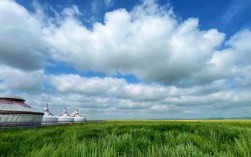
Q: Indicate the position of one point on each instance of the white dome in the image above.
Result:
(65, 117)
(48, 117)
(77, 116)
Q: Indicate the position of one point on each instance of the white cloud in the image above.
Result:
(108, 3)
(235, 8)
(21, 43)
(105, 98)
(117, 96)
(15, 79)
(108, 87)
(148, 42)
(232, 62)
(73, 11)
(223, 104)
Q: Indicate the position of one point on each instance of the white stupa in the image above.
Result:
(65, 117)
(78, 117)
(49, 118)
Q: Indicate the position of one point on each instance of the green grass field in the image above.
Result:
(230, 138)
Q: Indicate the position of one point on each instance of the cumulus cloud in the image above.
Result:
(15, 79)
(21, 43)
(118, 95)
(108, 87)
(233, 62)
(147, 41)
(223, 104)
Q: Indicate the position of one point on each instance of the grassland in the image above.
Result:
(230, 138)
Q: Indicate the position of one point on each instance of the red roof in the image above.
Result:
(4, 101)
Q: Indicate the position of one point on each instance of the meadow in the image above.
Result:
(228, 138)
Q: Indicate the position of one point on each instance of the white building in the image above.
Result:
(78, 117)
(48, 117)
(65, 117)
(15, 112)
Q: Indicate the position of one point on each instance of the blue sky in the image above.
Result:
(228, 16)
(129, 59)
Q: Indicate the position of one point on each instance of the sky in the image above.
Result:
(128, 59)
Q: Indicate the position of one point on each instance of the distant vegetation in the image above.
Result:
(131, 138)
